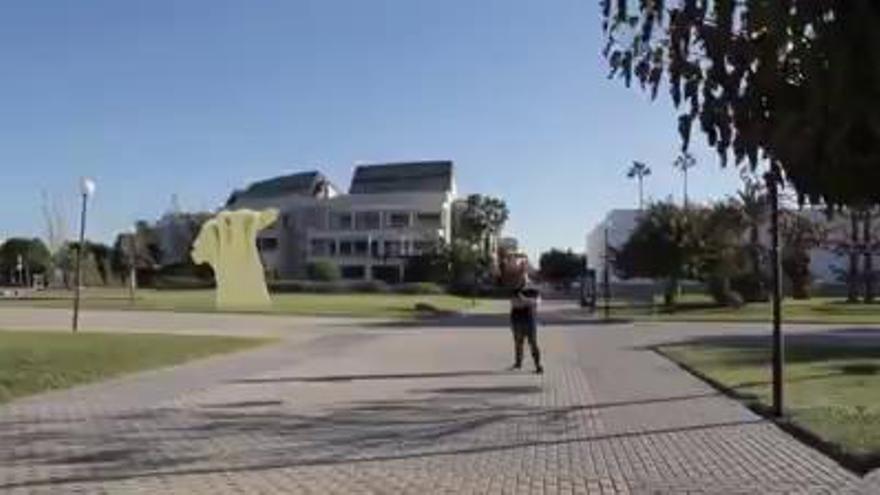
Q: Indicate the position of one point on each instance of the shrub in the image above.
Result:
(180, 282)
(369, 286)
(323, 271)
(418, 288)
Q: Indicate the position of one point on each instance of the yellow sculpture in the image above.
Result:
(228, 243)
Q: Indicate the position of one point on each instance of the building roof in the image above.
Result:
(302, 183)
(428, 176)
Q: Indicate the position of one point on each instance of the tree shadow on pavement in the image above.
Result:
(370, 377)
(247, 436)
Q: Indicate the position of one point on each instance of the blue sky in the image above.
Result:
(194, 98)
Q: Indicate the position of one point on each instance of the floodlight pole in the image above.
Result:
(773, 180)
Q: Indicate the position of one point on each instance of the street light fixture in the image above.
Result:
(86, 189)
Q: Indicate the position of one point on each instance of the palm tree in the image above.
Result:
(684, 162)
(639, 170)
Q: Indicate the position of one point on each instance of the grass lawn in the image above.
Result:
(32, 362)
(701, 308)
(832, 389)
(377, 305)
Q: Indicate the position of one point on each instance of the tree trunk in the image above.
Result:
(852, 280)
(869, 261)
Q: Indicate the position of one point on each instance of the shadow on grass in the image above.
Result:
(846, 350)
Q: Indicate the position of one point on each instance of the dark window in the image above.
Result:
(429, 220)
(367, 220)
(360, 248)
(387, 274)
(422, 247)
(322, 247)
(353, 272)
(340, 221)
(393, 248)
(374, 248)
(398, 220)
(345, 248)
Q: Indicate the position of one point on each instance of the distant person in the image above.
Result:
(523, 322)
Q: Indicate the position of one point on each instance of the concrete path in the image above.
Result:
(347, 407)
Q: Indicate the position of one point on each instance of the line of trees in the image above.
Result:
(719, 244)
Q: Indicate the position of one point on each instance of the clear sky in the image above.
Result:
(197, 97)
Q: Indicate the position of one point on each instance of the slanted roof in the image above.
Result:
(429, 176)
(302, 183)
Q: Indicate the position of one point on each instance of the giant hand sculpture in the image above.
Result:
(228, 243)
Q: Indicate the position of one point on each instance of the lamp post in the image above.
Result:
(773, 178)
(132, 269)
(606, 275)
(86, 188)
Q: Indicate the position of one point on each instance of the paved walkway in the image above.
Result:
(349, 408)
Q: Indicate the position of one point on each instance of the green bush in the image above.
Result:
(323, 271)
(335, 287)
(423, 288)
(369, 286)
(180, 282)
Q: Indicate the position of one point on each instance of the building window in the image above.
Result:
(393, 248)
(387, 274)
(360, 248)
(397, 220)
(345, 248)
(429, 220)
(340, 221)
(374, 249)
(367, 220)
(422, 247)
(322, 247)
(353, 272)
(267, 243)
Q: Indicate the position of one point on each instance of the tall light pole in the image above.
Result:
(639, 170)
(132, 262)
(86, 188)
(684, 162)
(774, 178)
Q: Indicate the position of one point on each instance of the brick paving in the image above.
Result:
(385, 409)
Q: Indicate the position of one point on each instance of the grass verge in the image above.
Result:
(33, 362)
(832, 390)
(302, 304)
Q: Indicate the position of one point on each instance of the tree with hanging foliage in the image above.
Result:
(790, 81)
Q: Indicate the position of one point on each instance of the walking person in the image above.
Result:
(523, 322)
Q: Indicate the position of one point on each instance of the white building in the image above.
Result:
(619, 225)
(391, 212)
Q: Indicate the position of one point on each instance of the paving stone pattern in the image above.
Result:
(421, 410)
